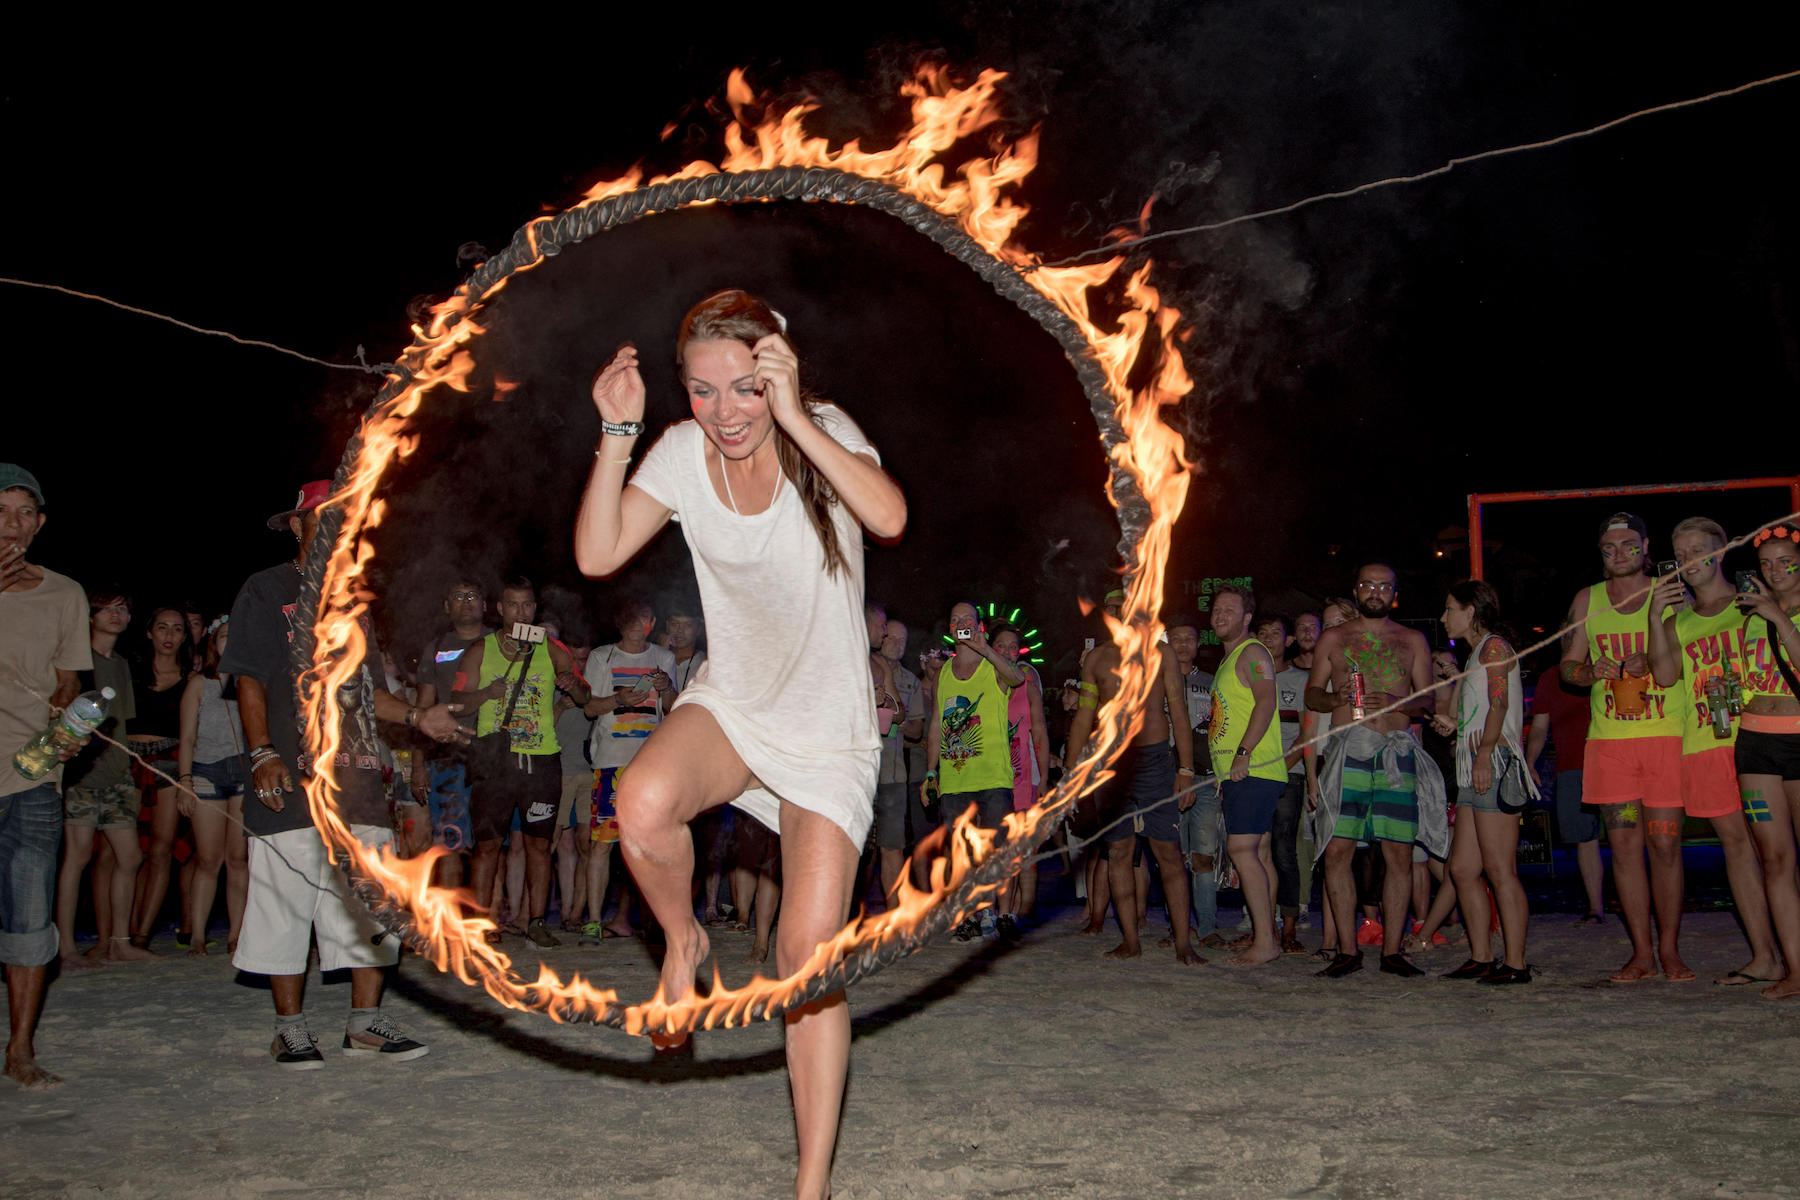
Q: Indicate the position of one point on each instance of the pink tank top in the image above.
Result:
(1024, 756)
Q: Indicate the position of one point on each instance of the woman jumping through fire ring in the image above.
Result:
(780, 721)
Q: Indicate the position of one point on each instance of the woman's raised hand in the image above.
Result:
(619, 388)
(778, 378)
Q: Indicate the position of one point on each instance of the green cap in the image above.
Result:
(12, 475)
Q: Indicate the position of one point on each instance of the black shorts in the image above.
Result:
(1768, 754)
(531, 787)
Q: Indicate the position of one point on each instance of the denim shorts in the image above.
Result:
(1507, 794)
(227, 777)
(31, 824)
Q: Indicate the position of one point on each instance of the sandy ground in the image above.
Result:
(1036, 1071)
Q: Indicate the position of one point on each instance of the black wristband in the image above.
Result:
(621, 428)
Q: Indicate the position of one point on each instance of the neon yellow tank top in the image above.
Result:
(533, 728)
(1615, 635)
(1762, 674)
(1232, 704)
(1708, 645)
(974, 752)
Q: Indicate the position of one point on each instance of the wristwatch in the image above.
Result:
(1242, 752)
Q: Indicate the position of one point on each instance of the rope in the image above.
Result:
(362, 363)
(1131, 243)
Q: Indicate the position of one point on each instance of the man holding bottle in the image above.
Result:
(43, 644)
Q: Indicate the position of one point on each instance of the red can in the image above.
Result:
(1358, 690)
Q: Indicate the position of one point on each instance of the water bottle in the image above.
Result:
(36, 757)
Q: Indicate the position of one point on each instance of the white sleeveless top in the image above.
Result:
(1472, 715)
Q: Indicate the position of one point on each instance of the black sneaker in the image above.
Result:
(296, 1049)
(540, 935)
(381, 1038)
(968, 931)
(1009, 928)
(1342, 965)
(1502, 974)
(1472, 969)
(1396, 964)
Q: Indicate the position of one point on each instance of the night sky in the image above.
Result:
(1619, 310)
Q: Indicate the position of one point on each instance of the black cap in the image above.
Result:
(1624, 520)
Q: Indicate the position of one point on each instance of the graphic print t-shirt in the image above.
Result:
(262, 630)
(618, 734)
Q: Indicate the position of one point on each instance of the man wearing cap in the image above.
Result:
(1631, 769)
(295, 892)
(43, 644)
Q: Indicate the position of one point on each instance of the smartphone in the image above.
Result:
(1746, 582)
(1088, 644)
(522, 632)
(1666, 568)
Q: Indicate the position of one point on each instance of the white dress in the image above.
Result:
(787, 668)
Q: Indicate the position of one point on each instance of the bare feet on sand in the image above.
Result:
(80, 962)
(1124, 950)
(1677, 971)
(121, 950)
(1187, 956)
(23, 1068)
(1255, 955)
(686, 950)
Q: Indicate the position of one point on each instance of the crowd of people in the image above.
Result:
(1332, 746)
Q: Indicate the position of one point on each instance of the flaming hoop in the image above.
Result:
(969, 218)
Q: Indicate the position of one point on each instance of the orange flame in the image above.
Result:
(1135, 323)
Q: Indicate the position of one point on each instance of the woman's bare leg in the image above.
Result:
(209, 855)
(119, 847)
(153, 880)
(686, 767)
(818, 867)
(1498, 833)
(1775, 840)
(762, 919)
(1465, 872)
(78, 848)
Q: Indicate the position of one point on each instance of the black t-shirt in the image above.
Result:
(438, 665)
(262, 632)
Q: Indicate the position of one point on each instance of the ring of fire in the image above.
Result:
(971, 219)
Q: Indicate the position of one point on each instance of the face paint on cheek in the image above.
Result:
(695, 405)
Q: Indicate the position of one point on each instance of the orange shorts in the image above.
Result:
(1643, 770)
(1709, 783)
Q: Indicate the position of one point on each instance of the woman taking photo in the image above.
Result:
(213, 768)
(1493, 786)
(774, 491)
(1768, 745)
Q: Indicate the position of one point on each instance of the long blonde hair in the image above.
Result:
(738, 316)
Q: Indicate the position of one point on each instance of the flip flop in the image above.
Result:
(1687, 976)
(1643, 975)
(1739, 979)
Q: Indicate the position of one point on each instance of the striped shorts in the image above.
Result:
(1369, 811)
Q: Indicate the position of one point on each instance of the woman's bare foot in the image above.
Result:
(1787, 988)
(80, 962)
(198, 951)
(30, 1076)
(1255, 955)
(1124, 950)
(759, 953)
(685, 950)
(1187, 956)
(125, 950)
(1677, 971)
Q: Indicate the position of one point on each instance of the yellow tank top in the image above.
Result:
(974, 752)
(533, 726)
(1708, 646)
(1762, 674)
(1232, 704)
(1625, 708)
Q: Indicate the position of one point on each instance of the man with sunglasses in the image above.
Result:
(1377, 788)
(438, 775)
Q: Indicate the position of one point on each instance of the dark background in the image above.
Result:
(1618, 310)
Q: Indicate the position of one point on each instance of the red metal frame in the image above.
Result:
(1478, 499)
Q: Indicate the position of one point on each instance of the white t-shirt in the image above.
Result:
(787, 668)
(617, 735)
